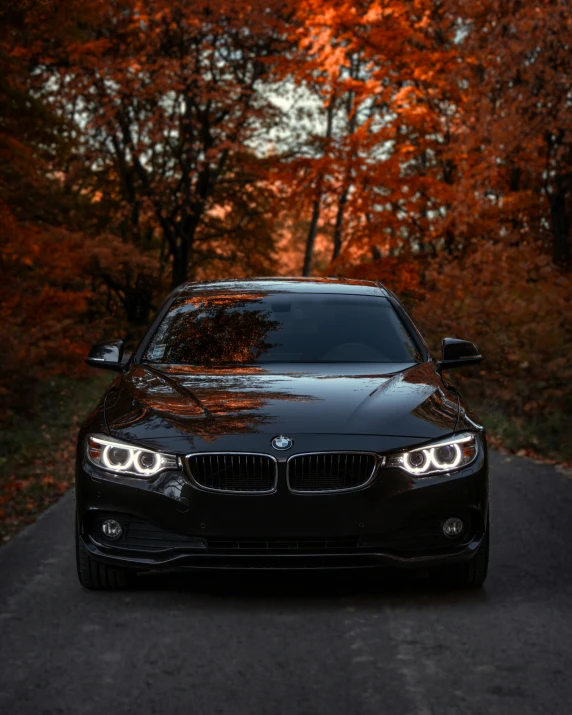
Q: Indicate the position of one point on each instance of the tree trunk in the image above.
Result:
(137, 305)
(312, 234)
(185, 231)
(352, 122)
(313, 229)
(560, 229)
(180, 272)
(339, 225)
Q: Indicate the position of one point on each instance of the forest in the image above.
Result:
(423, 143)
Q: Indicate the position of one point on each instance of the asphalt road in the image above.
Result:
(300, 645)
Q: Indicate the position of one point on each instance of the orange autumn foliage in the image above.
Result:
(43, 303)
(430, 148)
(401, 274)
(517, 306)
(170, 111)
(455, 126)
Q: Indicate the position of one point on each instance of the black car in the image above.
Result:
(281, 424)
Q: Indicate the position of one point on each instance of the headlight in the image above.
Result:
(437, 458)
(122, 458)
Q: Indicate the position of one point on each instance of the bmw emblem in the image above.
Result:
(282, 442)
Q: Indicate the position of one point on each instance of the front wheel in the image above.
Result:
(96, 576)
(469, 574)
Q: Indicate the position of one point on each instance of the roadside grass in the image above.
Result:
(37, 452)
(541, 437)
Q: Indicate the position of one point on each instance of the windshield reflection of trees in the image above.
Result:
(233, 406)
(214, 330)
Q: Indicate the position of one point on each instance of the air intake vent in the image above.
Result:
(330, 471)
(233, 472)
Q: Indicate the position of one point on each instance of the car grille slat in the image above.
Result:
(332, 471)
(233, 472)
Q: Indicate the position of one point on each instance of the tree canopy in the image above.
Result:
(147, 143)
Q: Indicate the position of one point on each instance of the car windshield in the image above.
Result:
(282, 327)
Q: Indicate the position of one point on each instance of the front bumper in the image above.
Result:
(170, 524)
(360, 558)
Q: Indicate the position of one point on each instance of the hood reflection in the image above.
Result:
(189, 401)
(228, 401)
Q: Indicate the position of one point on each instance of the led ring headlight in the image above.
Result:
(458, 455)
(112, 460)
(437, 458)
(416, 462)
(122, 458)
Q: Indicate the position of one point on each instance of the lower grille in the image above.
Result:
(283, 545)
(331, 471)
(421, 535)
(147, 537)
(141, 535)
(233, 472)
(417, 537)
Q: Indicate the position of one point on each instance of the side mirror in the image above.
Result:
(458, 353)
(108, 356)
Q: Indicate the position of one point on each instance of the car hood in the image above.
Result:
(150, 404)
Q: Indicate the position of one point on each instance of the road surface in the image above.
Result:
(300, 645)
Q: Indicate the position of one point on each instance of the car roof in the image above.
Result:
(344, 286)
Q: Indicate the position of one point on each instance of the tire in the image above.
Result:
(96, 576)
(469, 574)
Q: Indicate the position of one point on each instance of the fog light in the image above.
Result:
(112, 529)
(453, 526)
